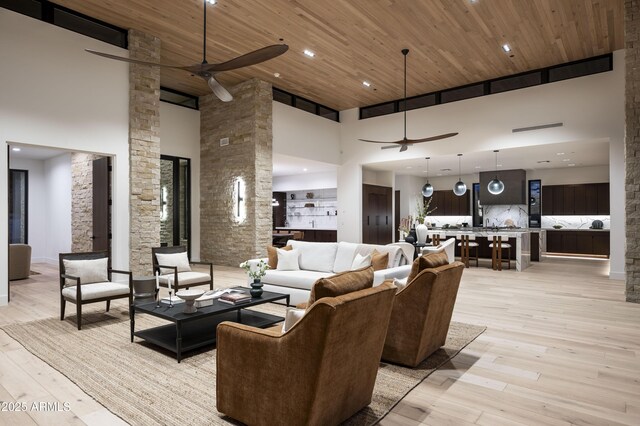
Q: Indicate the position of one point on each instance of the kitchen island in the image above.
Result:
(527, 243)
(316, 235)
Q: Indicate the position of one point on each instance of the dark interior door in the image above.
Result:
(396, 216)
(101, 209)
(377, 213)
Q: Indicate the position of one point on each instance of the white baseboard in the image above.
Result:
(46, 260)
(617, 275)
(4, 300)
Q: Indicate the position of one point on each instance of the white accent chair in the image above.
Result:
(446, 246)
(180, 277)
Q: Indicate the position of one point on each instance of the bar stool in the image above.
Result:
(436, 237)
(496, 251)
(467, 241)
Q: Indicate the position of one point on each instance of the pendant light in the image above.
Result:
(496, 186)
(427, 188)
(460, 187)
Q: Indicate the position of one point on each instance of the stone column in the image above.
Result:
(144, 151)
(247, 122)
(632, 148)
(82, 201)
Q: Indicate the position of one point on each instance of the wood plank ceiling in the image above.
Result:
(452, 42)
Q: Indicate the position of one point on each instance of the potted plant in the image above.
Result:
(256, 273)
(422, 211)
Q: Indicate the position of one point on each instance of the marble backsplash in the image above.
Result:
(574, 222)
(499, 215)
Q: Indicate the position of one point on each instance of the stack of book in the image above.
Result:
(235, 298)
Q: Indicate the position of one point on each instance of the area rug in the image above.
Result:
(145, 386)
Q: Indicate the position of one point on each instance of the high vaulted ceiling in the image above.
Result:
(452, 42)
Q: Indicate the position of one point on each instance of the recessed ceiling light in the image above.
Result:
(366, 84)
(409, 167)
(506, 48)
(212, 1)
(566, 159)
(571, 164)
(478, 167)
(309, 53)
(499, 165)
(559, 153)
(16, 149)
(276, 74)
(304, 170)
(473, 1)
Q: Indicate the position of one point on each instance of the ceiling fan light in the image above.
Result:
(459, 188)
(427, 190)
(495, 186)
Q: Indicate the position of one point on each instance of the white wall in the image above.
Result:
(300, 134)
(58, 184)
(180, 137)
(45, 101)
(305, 181)
(37, 205)
(591, 108)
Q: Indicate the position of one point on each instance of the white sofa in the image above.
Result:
(447, 246)
(318, 260)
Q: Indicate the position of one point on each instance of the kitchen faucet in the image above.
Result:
(313, 223)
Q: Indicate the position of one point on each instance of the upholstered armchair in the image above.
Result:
(87, 278)
(19, 261)
(421, 314)
(320, 372)
(174, 267)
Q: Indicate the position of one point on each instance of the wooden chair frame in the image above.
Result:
(79, 302)
(496, 254)
(464, 250)
(176, 284)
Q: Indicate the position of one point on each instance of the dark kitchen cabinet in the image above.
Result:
(581, 199)
(578, 242)
(279, 211)
(449, 204)
(377, 223)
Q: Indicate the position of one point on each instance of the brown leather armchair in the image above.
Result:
(422, 314)
(320, 372)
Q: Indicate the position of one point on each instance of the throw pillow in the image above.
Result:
(400, 283)
(89, 271)
(179, 260)
(288, 260)
(291, 318)
(361, 262)
(431, 260)
(343, 283)
(272, 255)
(379, 261)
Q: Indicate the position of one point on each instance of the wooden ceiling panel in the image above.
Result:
(452, 42)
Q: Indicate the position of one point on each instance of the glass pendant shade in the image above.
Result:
(459, 188)
(427, 190)
(495, 186)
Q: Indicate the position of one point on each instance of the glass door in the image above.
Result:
(18, 206)
(175, 202)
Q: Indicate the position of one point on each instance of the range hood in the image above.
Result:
(515, 188)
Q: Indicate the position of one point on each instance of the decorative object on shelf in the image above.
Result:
(422, 211)
(189, 297)
(293, 196)
(403, 229)
(256, 275)
(274, 202)
(427, 188)
(411, 238)
(405, 143)
(557, 226)
(207, 71)
(597, 224)
(460, 187)
(496, 186)
(310, 195)
(309, 205)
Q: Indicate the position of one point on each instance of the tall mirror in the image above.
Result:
(175, 202)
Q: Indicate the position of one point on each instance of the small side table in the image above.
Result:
(144, 289)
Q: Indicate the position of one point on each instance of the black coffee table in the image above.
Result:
(192, 331)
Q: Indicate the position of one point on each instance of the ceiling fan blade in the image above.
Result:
(133, 61)
(389, 147)
(433, 138)
(367, 140)
(251, 58)
(404, 147)
(222, 93)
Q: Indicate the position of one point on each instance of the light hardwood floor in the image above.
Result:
(561, 347)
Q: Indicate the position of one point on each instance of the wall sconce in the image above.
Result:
(239, 209)
(163, 203)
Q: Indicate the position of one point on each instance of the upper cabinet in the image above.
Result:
(582, 199)
(449, 204)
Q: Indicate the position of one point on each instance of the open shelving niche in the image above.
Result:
(324, 201)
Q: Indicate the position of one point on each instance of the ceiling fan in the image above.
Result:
(206, 70)
(405, 143)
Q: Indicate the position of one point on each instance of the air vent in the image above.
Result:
(224, 141)
(543, 161)
(542, 126)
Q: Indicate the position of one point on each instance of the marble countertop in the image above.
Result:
(299, 228)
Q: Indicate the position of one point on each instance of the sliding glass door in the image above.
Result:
(18, 206)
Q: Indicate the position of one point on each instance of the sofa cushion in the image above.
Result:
(292, 316)
(379, 260)
(272, 255)
(179, 260)
(288, 260)
(395, 252)
(361, 262)
(89, 271)
(299, 279)
(184, 278)
(345, 254)
(343, 283)
(432, 260)
(96, 290)
(316, 256)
